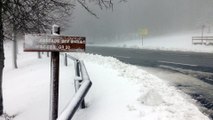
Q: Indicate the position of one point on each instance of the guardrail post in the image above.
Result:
(77, 68)
(77, 75)
(78, 80)
(83, 105)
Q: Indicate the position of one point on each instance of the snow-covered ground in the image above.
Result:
(119, 92)
(173, 42)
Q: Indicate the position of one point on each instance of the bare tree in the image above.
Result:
(1, 56)
(108, 4)
(27, 16)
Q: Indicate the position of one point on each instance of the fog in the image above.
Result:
(159, 17)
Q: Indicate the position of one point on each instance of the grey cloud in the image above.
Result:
(158, 16)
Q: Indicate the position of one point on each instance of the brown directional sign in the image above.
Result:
(48, 43)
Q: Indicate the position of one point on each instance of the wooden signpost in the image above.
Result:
(54, 43)
(50, 43)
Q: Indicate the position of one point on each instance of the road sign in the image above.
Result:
(143, 32)
(48, 43)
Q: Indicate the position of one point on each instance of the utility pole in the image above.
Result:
(142, 39)
(203, 26)
(143, 32)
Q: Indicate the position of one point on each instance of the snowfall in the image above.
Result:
(119, 92)
(172, 42)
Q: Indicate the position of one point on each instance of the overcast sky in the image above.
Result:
(160, 17)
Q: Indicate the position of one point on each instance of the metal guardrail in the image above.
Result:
(82, 86)
(206, 40)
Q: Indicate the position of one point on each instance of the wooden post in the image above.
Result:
(39, 55)
(65, 59)
(54, 85)
(54, 82)
(47, 54)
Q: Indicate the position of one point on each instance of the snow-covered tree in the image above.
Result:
(35, 16)
(27, 16)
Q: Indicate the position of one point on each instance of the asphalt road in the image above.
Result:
(190, 64)
(198, 64)
(153, 58)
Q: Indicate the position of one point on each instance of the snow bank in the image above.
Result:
(139, 94)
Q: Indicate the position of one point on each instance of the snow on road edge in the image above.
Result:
(156, 99)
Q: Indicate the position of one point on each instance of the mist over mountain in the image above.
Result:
(159, 17)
